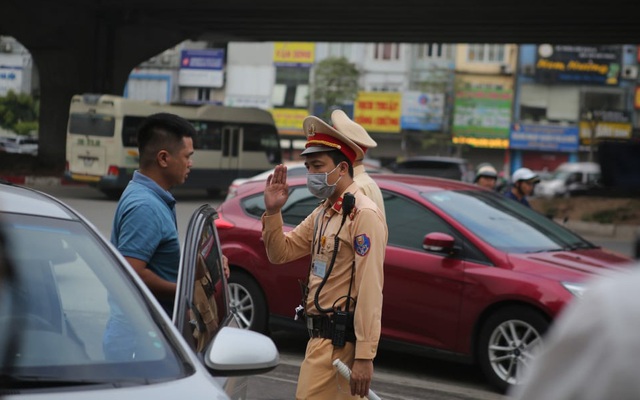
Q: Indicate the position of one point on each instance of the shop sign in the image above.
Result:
(422, 111)
(544, 137)
(595, 65)
(378, 111)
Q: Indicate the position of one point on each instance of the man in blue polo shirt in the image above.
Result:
(144, 227)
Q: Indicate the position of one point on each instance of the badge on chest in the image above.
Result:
(319, 267)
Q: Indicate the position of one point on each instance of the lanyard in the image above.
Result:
(318, 234)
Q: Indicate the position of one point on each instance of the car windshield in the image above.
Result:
(505, 224)
(561, 175)
(68, 286)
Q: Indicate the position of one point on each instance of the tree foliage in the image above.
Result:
(19, 113)
(335, 82)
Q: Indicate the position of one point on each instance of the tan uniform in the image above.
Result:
(362, 240)
(369, 187)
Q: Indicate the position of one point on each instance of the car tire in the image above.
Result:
(248, 302)
(507, 343)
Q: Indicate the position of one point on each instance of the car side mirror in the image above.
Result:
(236, 351)
(438, 242)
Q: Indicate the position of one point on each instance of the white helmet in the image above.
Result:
(524, 174)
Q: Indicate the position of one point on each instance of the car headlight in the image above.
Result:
(576, 289)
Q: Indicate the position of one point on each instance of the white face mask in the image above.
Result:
(319, 186)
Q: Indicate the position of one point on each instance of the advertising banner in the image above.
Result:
(482, 117)
(202, 68)
(422, 111)
(294, 54)
(289, 120)
(593, 65)
(544, 137)
(378, 111)
(10, 79)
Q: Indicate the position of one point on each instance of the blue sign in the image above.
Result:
(544, 137)
(211, 59)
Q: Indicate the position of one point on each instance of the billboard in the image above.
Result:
(544, 137)
(482, 116)
(593, 65)
(422, 111)
(202, 68)
(378, 111)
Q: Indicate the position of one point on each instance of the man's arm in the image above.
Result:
(161, 288)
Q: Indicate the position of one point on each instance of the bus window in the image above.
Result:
(230, 140)
(130, 131)
(208, 136)
(92, 124)
(263, 138)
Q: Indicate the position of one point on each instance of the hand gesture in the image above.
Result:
(276, 192)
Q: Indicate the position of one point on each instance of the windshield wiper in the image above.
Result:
(545, 250)
(579, 245)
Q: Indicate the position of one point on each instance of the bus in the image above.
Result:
(231, 142)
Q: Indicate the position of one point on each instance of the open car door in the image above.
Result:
(202, 305)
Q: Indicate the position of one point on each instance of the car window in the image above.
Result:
(203, 305)
(409, 222)
(299, 205)
(78, 310)
(504, 223)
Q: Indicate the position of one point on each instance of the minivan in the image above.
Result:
(570, 179)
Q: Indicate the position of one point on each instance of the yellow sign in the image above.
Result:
(491, 143)
(378, 111)
(609, 130)
(293, 52)
(289, 118)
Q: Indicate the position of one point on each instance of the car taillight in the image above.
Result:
(113, 171)
(222, 223)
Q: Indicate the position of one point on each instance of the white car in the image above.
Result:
(19, 145)
(570, 179)
(67, 280)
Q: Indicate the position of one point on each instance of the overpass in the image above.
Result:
(91, 45)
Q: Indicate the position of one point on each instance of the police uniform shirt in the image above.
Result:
(368, 186)
(362, 239)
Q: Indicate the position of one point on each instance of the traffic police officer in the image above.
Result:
(346, 237)
(357, 134)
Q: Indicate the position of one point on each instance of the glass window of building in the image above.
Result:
(486, 53)
(291, 89)
(435, 51)
(386, 51)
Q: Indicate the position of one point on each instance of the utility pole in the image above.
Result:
(593, 126)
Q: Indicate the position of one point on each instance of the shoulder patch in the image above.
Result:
(362, 244)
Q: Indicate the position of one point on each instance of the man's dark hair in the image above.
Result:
(162, 131)
(338, 157)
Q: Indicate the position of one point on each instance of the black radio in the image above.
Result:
(341, 321)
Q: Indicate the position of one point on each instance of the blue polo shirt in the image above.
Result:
(509, 194)
(145, 228)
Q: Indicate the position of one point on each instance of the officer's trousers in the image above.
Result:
(319, 379)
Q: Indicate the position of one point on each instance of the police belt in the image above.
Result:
(321, 326)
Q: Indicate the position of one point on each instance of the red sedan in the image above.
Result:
(469, 275)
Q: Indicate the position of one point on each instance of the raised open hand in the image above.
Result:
(276, 191)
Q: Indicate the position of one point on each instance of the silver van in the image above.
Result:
(570, 179)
